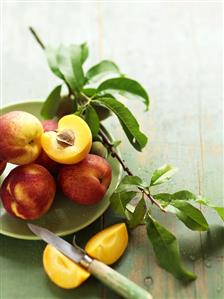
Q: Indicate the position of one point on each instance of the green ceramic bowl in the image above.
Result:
(64, 217)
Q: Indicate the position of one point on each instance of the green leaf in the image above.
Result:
(162, 174)
(220, 211)
(190, 216)
(92, 119)
(89, 92)
(131, 180)
(84, 52)
(139, 213)
(54, 59)
(70, 61)
(126, 86)
(184, 195)
(51, 54)
(166, 249)
(163, 198)
(204, 201)
(102, 68)
(120, 200)
(127, 120)
(128, 182)
(50, 106)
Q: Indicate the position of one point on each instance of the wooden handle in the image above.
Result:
(117, 282)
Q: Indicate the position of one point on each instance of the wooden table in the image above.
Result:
(174, 49)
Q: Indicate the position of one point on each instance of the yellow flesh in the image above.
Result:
(61, 270)
(109, 244)
(70, 154)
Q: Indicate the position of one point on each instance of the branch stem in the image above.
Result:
(114, 154)
(105, 139)
(37, 38)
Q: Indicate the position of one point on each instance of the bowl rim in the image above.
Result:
(69, 231)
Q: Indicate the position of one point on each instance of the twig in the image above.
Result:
(106, 140)
(114, 154)
(37, 37)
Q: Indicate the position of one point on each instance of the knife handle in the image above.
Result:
(119, 283)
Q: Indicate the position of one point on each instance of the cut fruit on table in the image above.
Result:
(107, 246)
(61, 270)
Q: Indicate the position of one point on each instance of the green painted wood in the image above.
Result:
(174, 49)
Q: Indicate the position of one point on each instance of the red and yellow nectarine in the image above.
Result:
(2, 166)
(49, 125)
(28, 191)
(43, 159)
(86, 183)
(20, 137)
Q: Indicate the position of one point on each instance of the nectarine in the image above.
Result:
(49, 125)
(61, 270)
(109, 244)
(28, 191)
(20, 137)
(71, 143)
(2, 166)
(43, 159)
(86, 182)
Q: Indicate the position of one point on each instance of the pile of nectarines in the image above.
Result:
(49, 153)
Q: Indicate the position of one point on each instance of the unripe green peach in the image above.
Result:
(99, 149)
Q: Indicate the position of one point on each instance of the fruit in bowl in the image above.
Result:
(43, 159)
(71, 143)
(86, 183)
(49, 125)
(20, 137)
(99, 149)
(2, 166)
(28, 191)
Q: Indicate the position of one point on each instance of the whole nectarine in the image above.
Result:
(2, 166)
(50, 125)
(43, 159)
(28, 191)
(86, 182)
(20, 134)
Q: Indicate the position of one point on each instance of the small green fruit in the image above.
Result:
(99, 149)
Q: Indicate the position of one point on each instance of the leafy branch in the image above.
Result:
(94, 95)
(127, 170)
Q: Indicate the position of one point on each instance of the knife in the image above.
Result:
(114, 280)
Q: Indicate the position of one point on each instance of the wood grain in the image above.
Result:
(174, 49)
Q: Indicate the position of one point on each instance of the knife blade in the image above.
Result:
(114, 280)
(60, 244)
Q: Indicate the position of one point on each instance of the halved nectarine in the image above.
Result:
(61, 270)
(71, 143)
(109, 244)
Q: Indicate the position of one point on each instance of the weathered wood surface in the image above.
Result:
(174, 49)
